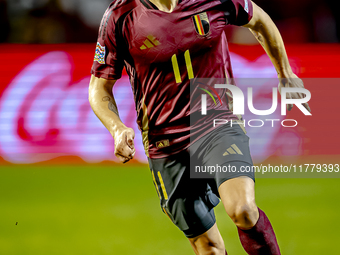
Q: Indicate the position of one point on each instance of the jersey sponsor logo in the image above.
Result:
(162, 144)
(201, 22)
(233, 149)
(150, 42)
(246, 8)
(100, 54)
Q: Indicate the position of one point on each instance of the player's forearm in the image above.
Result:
(269, 37)
(103, 104)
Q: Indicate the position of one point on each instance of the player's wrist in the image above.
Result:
(117, 129)
(285, 73)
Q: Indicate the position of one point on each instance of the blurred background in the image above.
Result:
(61, 188)
(72, 21)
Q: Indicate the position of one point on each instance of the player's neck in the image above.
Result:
(165, 5)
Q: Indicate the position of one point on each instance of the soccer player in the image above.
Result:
(165, 44)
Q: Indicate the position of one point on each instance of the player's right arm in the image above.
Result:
(106, 69)
(104, 106)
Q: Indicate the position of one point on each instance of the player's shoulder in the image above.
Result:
(117, 4)
(116, 11)
(120, 7)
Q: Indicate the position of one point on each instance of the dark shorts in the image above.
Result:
(187, 191)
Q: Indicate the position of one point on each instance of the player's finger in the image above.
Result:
(307, 107)
(129, 139)
(280, 86)
(125, 151)
(289, 106)
(122, 158)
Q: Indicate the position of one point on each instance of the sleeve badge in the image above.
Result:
(100, 54)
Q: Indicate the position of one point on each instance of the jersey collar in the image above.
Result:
(150, 5)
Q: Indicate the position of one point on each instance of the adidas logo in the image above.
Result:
(162, 144)
(233, 149)
(150, 42)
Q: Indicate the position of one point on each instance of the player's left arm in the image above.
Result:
(266, 32)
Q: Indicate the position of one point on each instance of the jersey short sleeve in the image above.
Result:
(237, 12)
(108, 61)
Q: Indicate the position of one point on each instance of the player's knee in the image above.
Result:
(212, 249)
(209, 243)
(244, 215)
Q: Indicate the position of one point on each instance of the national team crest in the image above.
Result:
(100, 54)
(201, 23)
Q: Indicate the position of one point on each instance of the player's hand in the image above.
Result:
(124, 145)
(292, 82)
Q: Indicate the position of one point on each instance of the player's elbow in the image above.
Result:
(94, 92)
(94, 88)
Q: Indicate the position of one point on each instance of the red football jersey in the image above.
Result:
(162, 52)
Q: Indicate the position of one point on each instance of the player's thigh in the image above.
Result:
(210, 242)
(229, 150)
(227, 153)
